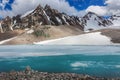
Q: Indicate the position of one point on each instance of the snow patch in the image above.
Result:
(63, 17)
(58, 20)
(4, 41)
(1, 30)
(95, 38)
(48, 18)
(26, 29)
(30, 31)
(41, 23)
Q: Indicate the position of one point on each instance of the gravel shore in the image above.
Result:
(29, 74)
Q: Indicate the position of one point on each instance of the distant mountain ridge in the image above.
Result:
(48, 16)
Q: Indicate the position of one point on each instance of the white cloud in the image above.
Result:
(22, 6)
(112, 7)
(100, 10)
(113, 4)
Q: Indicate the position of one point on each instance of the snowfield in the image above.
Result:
(116, 24)
(95, 38)
(93, 24)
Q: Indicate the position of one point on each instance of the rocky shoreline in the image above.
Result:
(29, 74)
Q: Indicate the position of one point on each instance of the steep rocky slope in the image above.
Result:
(49, 16)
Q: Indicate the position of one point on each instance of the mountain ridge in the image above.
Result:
(49, 16)
(46, 23)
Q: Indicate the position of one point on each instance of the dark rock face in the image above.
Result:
(17, 22)
(49, 16)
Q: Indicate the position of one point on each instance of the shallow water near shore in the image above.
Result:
(101, 61)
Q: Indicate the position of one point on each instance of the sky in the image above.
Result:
(71, 7)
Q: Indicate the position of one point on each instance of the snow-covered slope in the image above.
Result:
(92, 21)
(86, 39)
(115, 20)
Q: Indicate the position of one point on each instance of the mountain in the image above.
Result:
(41, 24)
(92, 21)
(46, 23)
(49, 16)
(115, 19)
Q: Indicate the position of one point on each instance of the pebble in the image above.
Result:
(29, 74)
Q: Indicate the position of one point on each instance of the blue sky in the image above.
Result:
(78, 4)
(84, 4)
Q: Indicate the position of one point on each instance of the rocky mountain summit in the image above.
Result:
(37, 17)
(48, 16)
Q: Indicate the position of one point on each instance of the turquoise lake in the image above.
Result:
(101, 61)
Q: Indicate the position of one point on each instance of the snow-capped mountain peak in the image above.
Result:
(92, 21)
(115, 20)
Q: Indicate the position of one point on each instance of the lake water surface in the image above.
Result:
(101, 61)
